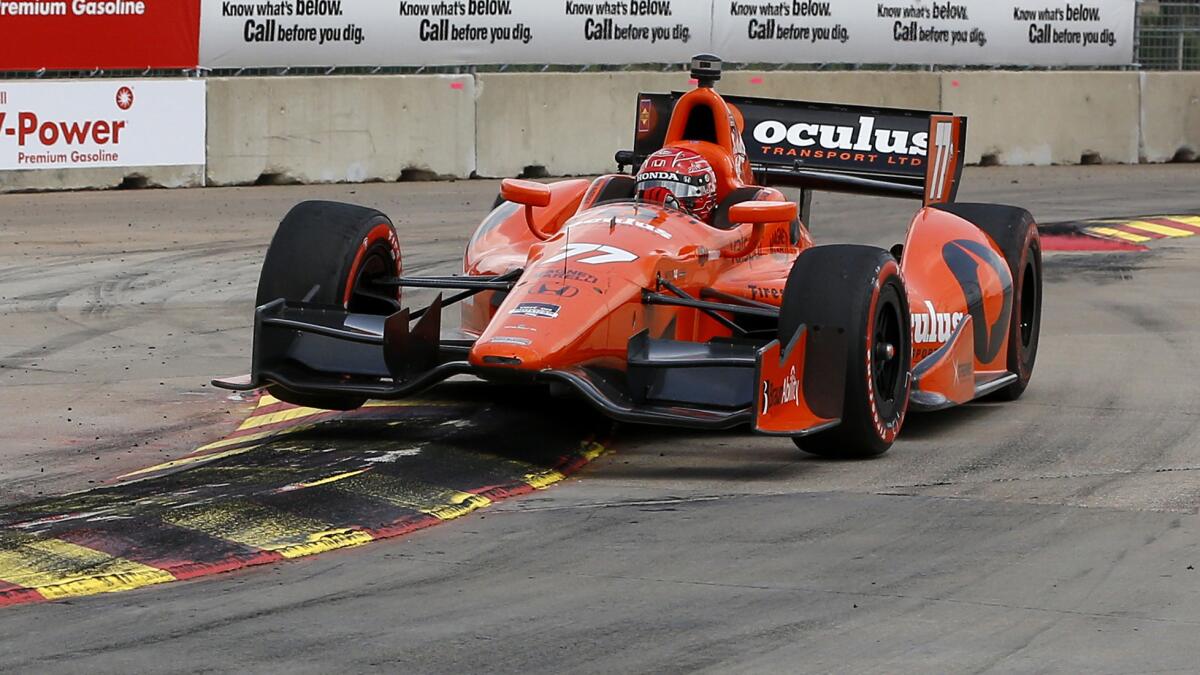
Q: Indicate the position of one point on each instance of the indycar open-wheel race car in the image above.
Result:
(655, 316)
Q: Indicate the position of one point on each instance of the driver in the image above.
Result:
(681, 179)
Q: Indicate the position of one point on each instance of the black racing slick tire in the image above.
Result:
(859, 289)
(1014, 231)
(326, 255)
(1026, 326)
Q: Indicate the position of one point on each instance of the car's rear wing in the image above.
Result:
(822, 146)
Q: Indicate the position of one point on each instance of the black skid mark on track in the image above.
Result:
(1096, 268)
(335, 480)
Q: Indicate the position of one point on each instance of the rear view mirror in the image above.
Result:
(763, 212)
(525, 192)
(759, 213)
(531, 195)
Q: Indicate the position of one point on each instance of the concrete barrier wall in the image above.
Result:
(1170, 116)
(569, 123)
(93, 179)
(572, 123)
(887, 89)
(339, 129)
(1046, 117)
(344, 128)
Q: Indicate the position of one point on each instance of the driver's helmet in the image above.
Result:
(679, 178)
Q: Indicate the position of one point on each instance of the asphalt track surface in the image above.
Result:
(1057, 533)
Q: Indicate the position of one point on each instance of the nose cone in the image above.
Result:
(544, 322)
(575, 290)
(506, 351)
(554, 318)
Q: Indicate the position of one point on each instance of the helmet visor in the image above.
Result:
(680, 190)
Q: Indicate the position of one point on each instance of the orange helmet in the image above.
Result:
(679, 178)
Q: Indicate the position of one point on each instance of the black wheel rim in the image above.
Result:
(1029, 307)
(887, 359)
(366, 295)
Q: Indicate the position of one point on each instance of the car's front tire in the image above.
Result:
(327, 255)
(859, 289)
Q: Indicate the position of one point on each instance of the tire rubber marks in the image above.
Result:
(68, 553)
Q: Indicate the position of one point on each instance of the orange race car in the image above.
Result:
(688, 293)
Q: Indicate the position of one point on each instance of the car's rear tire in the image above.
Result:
(1026, 324)
(325, 255)
(1015, 232)
(858, 288)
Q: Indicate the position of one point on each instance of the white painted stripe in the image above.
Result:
(945, 180)
(939, 164)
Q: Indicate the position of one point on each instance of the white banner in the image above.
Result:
(954, 32)
(101, 123)
(245, 33)
(254, 33)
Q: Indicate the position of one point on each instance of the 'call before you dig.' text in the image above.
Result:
(768, 21)
(264, 33)
(935, 23)
(436, 24)
(1046, 25)
(606, 20)
(273, 21)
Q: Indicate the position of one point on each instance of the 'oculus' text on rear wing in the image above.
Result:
(822, 146)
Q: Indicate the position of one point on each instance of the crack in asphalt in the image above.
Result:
(517, 508)
(1187, 412)
(1017, 479)
(830, 591)
(891, 596)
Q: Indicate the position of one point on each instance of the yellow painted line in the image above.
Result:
(330, 479)
(196, 457)
(440, 502)
(289, 414)
(327, 540)
(257, 526)
(1186, 220)
(59, 569)
(255, 421)
(542, 479)
(1164, 230)
(592, 450)
(269, 400)
(415, 403)
(235, 440)
(186, 461)
(1118, 234)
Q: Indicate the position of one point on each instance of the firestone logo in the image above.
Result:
(861, 138)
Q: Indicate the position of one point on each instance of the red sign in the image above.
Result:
(105, 34)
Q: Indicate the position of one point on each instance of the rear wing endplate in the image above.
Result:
(821, 146)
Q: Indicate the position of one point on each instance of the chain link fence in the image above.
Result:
(1166, 37)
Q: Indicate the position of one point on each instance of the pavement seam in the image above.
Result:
(891, 596)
